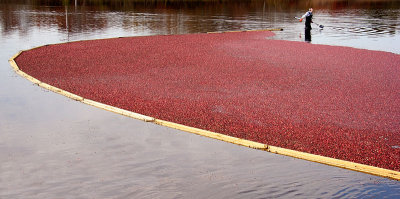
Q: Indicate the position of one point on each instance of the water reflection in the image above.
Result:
(177, 17)
(307, 33)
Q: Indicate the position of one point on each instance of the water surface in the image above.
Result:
(54, 147)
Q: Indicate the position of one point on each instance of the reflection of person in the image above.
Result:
(308, 28)
(307, 35)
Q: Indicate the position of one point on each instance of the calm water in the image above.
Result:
(54, 147)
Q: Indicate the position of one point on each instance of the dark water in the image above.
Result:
(54, 147)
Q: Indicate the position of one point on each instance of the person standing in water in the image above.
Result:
(308, 16)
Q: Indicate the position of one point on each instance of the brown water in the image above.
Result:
(54, 147)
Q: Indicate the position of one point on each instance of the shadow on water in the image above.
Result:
(54, 147)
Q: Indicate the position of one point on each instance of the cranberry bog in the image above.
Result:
(334, 105)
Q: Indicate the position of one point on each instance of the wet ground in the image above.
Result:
(52, 146)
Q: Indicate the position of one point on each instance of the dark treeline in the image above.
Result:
(285, 4)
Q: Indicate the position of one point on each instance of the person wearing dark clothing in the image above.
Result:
(308, 16)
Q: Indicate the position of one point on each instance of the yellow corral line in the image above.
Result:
(77, 97)
(273, 149)
(118, 110)
(273, 29)
(210, 134)
(287, 152)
